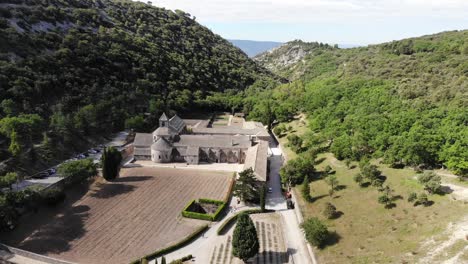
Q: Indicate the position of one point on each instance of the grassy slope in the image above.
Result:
(368, 232)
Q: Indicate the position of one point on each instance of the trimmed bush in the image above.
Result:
(175, 246)
(201, 216)
(182, 260)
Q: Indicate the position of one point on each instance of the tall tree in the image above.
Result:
(305, 190)
(111, 159)
(262, 191)
(245, 187)
(295, 170)
(245, 242)
(332, 181)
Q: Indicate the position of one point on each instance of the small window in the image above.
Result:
(159, 156)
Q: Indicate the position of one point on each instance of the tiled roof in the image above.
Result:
(176, 124)
(143, 140)
(161, 145)
(162, 131)
(142, 152)
(219, 141)
(163, 117)
(257, 159)
(227, 130)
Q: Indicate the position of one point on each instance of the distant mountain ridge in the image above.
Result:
(252, 47)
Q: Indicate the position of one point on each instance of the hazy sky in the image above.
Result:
(331, 21)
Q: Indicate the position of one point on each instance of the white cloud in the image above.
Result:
(295, 11)
(332, 21)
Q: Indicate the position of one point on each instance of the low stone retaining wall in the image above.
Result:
(31, 255)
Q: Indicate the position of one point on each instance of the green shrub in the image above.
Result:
(305, 190)
(53, 196)
(412, 197)
(329, 211)
(182, 260)
(315, 231)
(210, 201)
(77, 171)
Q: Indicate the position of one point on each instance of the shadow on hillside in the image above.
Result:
(318, 161)
(337, 215)
(109, 190)
(132, 179)
(341, 187)
(56, 235)
(316, 198)
(332, 239)
(445, 190)
(51, 229)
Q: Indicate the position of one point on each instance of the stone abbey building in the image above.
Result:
(192, 141)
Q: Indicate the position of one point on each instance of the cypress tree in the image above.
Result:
(305, 190)
(245, 243)
(111, 159)
(262, 197)
(163, 260)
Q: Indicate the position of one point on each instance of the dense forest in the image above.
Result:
(71, 70)
(404, 101)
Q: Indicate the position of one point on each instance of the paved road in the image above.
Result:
(300, 252)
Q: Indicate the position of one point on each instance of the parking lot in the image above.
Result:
(49, 176)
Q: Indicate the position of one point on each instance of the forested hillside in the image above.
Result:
(74, 69)
(404, 101)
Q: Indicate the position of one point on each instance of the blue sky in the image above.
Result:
(331, 21)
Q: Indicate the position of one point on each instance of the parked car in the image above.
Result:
(92, 151)
(270, 190)
(290, 204)
(51, 171)
(40, 175)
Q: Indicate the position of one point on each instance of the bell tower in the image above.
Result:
(163, 120)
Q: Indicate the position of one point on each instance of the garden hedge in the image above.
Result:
(173, 247)
(233, 218)
(207, 217)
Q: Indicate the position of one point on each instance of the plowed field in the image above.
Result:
(119, 221)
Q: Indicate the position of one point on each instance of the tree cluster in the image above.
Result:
(402, 101)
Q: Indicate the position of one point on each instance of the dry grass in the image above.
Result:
(369, 232)
(221, 119)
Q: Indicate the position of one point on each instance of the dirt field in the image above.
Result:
(120, 221)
